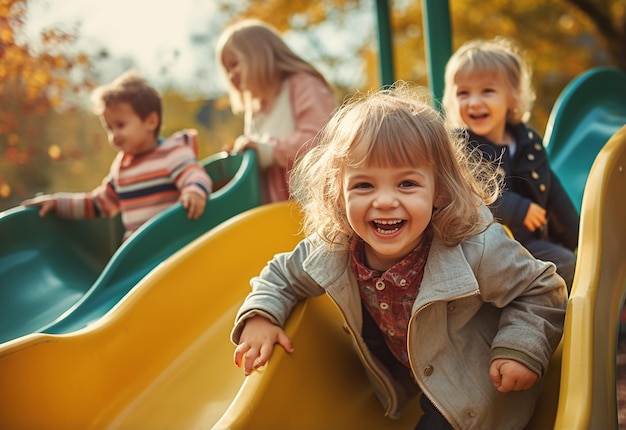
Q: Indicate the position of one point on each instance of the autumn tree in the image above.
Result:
(562, 38)
(35, 79)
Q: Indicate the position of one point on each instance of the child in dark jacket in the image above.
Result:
(488, 93)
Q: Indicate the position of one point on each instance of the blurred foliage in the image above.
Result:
(562, 38)
(50, 141)
(33, 82)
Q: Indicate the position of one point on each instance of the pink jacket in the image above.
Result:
(312, 105)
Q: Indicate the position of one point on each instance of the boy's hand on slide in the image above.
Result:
(46, 204)
(194, 204)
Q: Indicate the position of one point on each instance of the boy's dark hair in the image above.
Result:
(133, 89)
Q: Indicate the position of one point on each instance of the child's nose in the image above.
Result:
(474, 99)
(385, 201)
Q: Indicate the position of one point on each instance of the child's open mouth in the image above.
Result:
(479, 116)
(387, 226)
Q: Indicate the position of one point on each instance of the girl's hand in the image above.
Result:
(194, 204)
(257, 342)
(46, 204)
(535, 217)
(510, 375)
(242, 143)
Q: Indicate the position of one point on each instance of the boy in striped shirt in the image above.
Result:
(149, 173)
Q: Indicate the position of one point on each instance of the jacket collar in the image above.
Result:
(447, 273)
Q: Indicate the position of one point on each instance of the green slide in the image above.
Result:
(588, 112)
(60, 275)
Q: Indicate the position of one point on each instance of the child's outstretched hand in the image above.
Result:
(46, 204)
(257, 343)
(510, 375)
(194, 204)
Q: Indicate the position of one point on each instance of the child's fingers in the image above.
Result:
(240, 352)
(494, 374)
(285, 342)
(250, 359)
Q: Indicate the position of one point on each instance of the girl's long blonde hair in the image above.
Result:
(499, 57)
(265, 58)
(391, 127)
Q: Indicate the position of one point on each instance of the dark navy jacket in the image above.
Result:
(529, 178)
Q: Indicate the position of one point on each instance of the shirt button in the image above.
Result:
(471, 414)
(542, 187)
(451, 308)
(428, 370)
(538, 147)
(402, 282)
(380, 285)
(384, 306)
(534, 175)
(531, 157)
(391, 332)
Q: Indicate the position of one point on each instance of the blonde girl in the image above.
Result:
(284, 99)
(488, 93)
(437, 298)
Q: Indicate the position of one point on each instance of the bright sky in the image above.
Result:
(153, 33)
(148, 31)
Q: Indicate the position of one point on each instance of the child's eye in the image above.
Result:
(362, 185)
(408, 184)
(461, 93)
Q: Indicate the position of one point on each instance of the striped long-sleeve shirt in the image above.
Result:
(142, 185)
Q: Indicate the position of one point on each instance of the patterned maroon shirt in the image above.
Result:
(389, 295)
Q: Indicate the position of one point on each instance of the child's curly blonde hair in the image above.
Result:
(499, 57)
(391, 127)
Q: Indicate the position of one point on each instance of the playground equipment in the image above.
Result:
(586, 114)
(59, 275)
(588, 398)
(162, 357)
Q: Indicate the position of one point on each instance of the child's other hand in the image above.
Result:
(257, 342)
(46, 204)
(242, 143)
(535, 217)
(194, 204)
(510, 375)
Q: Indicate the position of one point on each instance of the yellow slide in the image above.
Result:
(162, 357)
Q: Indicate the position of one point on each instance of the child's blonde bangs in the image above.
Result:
(391, 138)
(481, 64)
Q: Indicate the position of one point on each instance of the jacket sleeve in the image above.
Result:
(563, 219)
(510, 209)
(279, 287)
(185, 170)
(102, 201)
(312, 104)
(531, 296)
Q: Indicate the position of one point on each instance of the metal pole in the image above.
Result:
(438, 43)
(385, 47)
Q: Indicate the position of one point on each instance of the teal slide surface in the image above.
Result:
(58, 276)
(590, 110)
